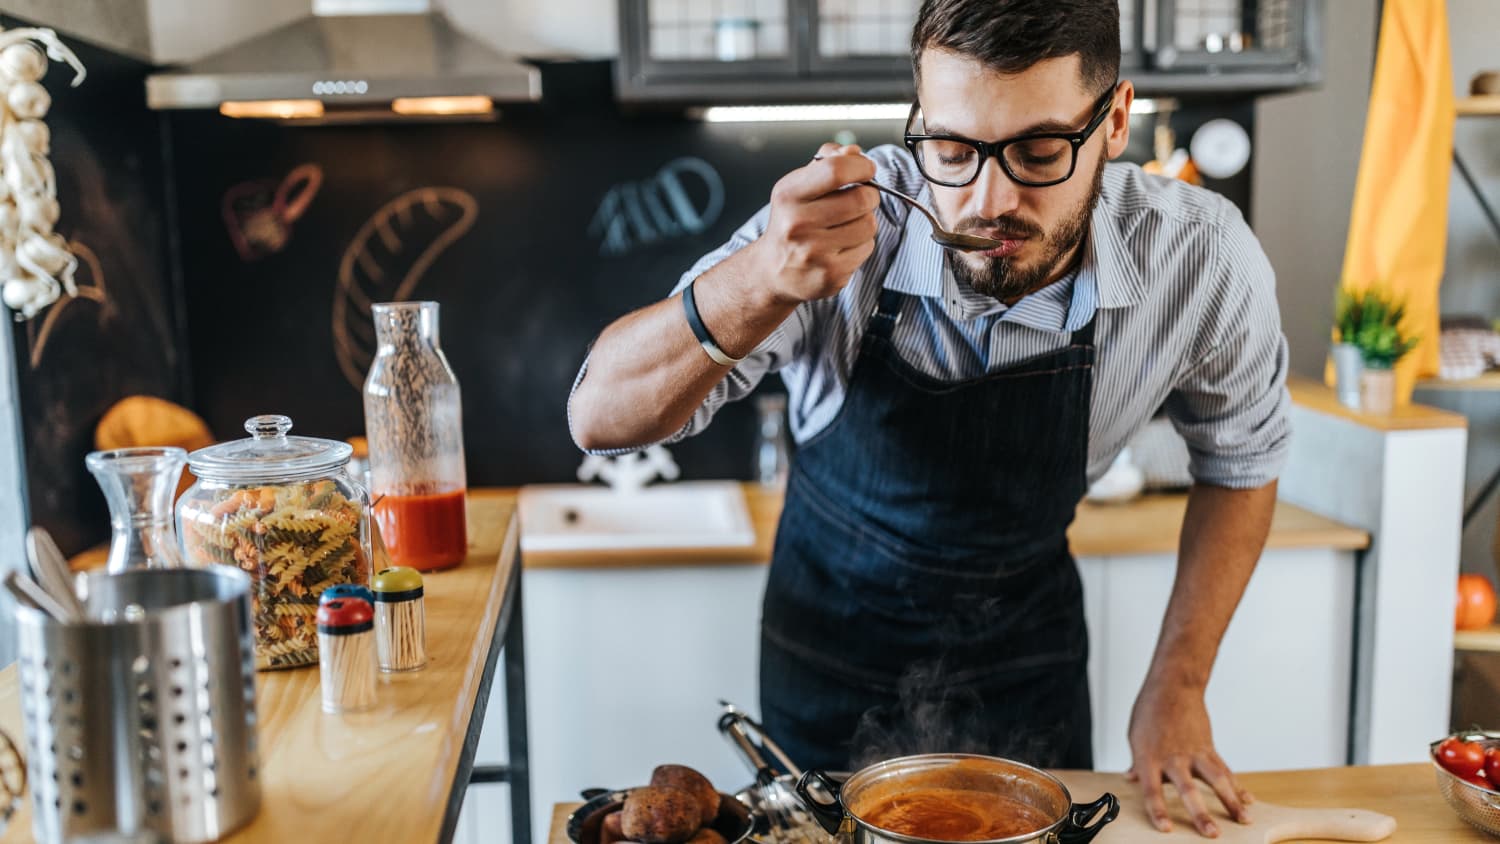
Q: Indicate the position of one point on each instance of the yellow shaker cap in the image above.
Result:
(397, 583)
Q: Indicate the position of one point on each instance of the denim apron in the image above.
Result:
(921, 596)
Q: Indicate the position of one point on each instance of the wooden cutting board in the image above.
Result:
(1271, 823)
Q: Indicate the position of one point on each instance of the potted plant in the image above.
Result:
(1371, 321)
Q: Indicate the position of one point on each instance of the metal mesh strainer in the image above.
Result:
(1479, 806)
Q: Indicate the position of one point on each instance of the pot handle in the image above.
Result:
(1076, 829)
(829, 815)
(591, 793)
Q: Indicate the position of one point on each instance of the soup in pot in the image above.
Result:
(951, 814)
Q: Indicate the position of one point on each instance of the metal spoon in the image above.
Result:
(944, 238)
(52, 571)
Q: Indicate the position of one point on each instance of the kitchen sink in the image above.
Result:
(580, 517)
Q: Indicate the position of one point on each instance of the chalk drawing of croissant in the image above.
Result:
(89, 284)
(386, 262)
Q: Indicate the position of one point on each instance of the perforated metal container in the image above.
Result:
(1477, 805)
(142, 720)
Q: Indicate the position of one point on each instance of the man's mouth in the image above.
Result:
(1009, 244)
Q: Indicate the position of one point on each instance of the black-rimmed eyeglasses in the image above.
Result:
(1036, 161)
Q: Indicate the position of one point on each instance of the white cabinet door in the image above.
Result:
(1280, 692)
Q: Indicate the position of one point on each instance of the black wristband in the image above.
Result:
(700, 331)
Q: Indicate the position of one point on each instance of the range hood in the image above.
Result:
(351, 59)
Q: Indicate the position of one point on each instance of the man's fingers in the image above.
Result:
(1217, 775)
(1192, 800)
(841, 207)
(1156, 803)
(828, 174)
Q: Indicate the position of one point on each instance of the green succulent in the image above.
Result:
(1371, 320)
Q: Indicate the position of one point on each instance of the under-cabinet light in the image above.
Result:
(789, 113)
(273, 109)
(442, 106)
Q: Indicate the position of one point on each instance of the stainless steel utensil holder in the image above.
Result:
(142, 720)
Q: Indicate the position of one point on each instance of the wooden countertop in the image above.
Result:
(1406, 792)
(396, 773)
(1317, 396)
(1147, 525)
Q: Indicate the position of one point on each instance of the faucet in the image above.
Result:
(630, 472)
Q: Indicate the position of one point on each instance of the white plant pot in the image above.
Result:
(1377, 391)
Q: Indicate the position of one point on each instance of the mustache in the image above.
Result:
(999, 228)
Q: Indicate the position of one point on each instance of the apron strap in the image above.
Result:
(887, 314)
(1085, 335)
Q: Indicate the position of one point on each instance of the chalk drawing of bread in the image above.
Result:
(386, 262)
(90, 284)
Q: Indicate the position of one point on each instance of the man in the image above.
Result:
(950, 408)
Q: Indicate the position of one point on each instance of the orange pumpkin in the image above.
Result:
(1476, 602)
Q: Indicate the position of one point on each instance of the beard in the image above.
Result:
(1003, 278)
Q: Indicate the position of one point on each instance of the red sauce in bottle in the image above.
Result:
(425, 532)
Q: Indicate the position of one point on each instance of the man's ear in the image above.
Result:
(1118, 122)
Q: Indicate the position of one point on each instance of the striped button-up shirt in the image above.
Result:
(1184, 298)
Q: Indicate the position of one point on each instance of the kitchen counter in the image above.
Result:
(1406, 792)
(400, 772)
(1148, 525)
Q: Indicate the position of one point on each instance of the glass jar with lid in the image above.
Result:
(284, 510)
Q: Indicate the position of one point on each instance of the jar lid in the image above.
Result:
(346, 590)
(269, 454)
(343, 616)
(397, 583)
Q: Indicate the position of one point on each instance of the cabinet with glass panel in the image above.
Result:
(785, 51)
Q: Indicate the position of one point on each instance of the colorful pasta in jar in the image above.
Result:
(284, 510)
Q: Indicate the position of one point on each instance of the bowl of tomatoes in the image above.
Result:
(1468, 776)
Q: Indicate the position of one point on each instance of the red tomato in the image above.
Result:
(1479, 780)
(1476, 602)
(1492, 765)
(1461, 758)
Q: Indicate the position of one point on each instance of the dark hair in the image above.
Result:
(1009, 36)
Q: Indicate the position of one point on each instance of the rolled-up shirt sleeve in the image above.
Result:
(1231, 403)
(772, 354)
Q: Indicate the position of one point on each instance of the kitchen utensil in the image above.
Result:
(944, 238)
(1479, 806)
(1066, 822)
(28, 593)
(283, 509)
(52, 571)
(1270, 822)
(12, 780)
(139, 484)
(143, 721)
(733, 821)
(780, 816)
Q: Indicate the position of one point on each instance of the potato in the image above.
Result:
(707, 836)
(694, 783)
(657, 815)
(612, 829)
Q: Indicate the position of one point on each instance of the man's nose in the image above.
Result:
(995, 194)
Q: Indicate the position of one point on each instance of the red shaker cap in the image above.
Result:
(345, 612)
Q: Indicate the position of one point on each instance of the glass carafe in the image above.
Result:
(772, 454)
(414, 425)
(138, 486)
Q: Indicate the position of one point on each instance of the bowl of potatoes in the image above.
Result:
(678, 806)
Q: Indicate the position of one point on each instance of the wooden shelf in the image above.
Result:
(1479, 106)
(1486, 381)
(1487, 639)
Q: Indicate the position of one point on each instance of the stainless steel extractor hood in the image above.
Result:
(355, 58)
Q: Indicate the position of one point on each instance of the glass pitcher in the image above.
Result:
(138, 486)
(414, 426)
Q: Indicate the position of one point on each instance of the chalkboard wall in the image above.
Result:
(536, 231)
(118, 337)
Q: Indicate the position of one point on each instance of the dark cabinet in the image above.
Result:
(786, 51)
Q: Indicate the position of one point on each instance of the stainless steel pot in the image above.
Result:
(838, 808)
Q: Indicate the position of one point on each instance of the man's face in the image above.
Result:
(1042, 226)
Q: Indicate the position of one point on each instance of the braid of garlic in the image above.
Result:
(35, 264)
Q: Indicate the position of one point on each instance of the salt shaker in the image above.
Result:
(400, 619)
(346, 655)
